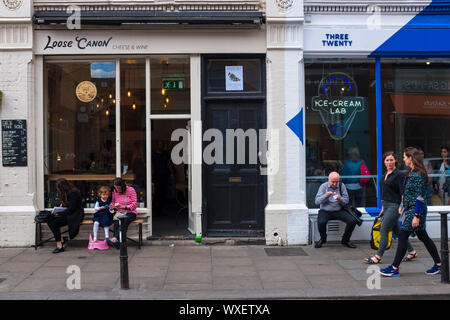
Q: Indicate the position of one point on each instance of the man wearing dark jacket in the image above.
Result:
(331, 197)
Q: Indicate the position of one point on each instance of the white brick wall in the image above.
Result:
(17, 228)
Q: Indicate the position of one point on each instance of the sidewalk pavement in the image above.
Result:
(214, 272)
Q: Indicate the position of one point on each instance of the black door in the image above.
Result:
(235, 191)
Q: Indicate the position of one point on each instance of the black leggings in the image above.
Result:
(403, 241)
(130, 218)
(55, 223)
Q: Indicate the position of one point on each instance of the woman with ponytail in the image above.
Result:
(414, 214)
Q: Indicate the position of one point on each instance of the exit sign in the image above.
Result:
(173, 84)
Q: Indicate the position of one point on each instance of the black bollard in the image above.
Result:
(444, 248)
(124, 280)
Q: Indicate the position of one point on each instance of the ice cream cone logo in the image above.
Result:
(338, 103)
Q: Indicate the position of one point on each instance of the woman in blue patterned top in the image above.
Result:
(414, 214)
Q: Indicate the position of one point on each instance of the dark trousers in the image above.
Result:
(55, 223)
(325, 216)
(130, 218)
(403, 246)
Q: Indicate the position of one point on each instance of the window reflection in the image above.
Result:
(416, 112)
(341, 128)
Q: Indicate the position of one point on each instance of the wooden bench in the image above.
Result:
(39, 241)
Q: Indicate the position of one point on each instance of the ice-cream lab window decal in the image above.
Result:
(338, 103)
(234, 78)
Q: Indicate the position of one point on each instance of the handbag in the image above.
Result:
(375, 235)
(43, 216)
(364, 172)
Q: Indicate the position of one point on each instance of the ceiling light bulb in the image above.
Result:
(129, 94)
(163, 91)
(107, 112)
(165, 106)
(134, 106)
(114, 100)
(167, 100)
(110, 95)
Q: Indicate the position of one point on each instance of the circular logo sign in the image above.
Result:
(86, 91)
(285, 5)
(12, 4)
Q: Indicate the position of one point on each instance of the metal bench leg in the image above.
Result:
(36, 236)
(140, 235)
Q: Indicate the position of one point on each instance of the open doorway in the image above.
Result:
(170, 181)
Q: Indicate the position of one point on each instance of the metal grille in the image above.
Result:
(283, 252)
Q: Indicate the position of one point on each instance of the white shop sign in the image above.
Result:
(342, 40)
(74, 42)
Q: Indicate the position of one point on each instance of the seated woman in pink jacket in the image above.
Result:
(124, 200)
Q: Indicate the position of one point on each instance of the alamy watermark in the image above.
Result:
(234, 146)
(374, 280)
(74, 20)
(74, 280)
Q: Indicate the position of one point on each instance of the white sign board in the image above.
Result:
(234, 78)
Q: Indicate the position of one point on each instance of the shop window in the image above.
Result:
(80, 127)
(133, 125)
(170, 85)
(341, 127)
(416, 112)
(234, 76)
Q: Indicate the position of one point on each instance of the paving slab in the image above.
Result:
(237, 283)
(192, 277)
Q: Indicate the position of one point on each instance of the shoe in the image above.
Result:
(64, 242)
(434, 270)
(390, 272)
(91, 243)
(58, 250)
(410, 256)
(319, 243)
(115, 244)
(348, 244)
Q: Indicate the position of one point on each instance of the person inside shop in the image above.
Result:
(124, 201)
(108, 156)
(161, 173)
(442, 167)
(352, 167)
(72, 216)
(331, 198)
(137, 165)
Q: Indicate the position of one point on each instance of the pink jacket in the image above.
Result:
(128, 199)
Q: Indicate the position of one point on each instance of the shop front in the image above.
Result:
(376, 82)
(112, 103)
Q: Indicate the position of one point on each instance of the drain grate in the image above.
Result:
(284, 252)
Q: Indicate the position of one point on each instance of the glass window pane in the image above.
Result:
(80, 124)
(416, 112)
(133, 125)
(224, 75)
(341, 127)
(170, 82)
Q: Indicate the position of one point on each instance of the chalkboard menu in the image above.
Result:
(14, 143)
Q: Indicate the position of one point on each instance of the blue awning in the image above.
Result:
(426, 35)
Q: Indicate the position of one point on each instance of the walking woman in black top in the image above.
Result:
(71, 198)
(392, 187)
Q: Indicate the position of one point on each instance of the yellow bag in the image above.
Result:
(375, 235)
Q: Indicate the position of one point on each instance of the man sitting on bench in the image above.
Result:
(331, 197)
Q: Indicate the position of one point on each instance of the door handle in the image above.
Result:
(235, 179)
